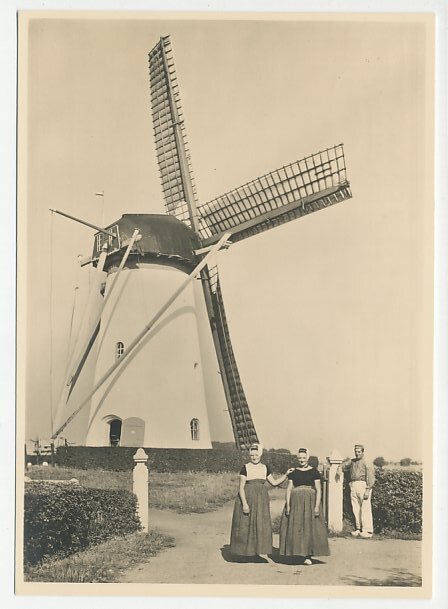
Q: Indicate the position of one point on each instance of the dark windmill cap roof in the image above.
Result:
(161, 235)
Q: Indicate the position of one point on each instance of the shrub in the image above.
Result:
(379, 461)
(396, 502)
(279, 450)
(169, 460)
(313, 461)
(223, 445)
(120, 458)
(405, 462)
(63, 520)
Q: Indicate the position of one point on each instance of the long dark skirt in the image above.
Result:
(252, 533)
(302, 533)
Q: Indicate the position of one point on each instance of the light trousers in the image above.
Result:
(362, 508)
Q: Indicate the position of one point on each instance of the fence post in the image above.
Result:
(140, 486)
(325, 468)
(335, 493)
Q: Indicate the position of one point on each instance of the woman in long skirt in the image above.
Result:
(302, 528)
(251, 533)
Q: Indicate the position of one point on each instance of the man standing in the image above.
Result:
(362, 479)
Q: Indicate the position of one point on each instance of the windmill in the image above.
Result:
(148, 387)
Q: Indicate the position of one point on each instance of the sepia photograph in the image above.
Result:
(225, 296)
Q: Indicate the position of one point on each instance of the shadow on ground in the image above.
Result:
(396, 578)
(284, 560)
(229, 557)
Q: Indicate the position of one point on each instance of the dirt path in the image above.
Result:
(201, 556)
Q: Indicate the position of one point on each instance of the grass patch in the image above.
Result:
(392, 534)
(103, 563)
(188, 492)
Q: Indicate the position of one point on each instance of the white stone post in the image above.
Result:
(335, 489)
(140, 486)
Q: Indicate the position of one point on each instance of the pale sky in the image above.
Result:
(330, 315)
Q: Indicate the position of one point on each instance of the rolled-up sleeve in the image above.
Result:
(346, 464)
(370, 475)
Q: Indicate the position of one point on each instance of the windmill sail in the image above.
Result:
(169, 132)
(240, 416)
(180, 200)
(280, 196)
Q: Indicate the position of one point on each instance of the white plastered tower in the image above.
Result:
(157, 395)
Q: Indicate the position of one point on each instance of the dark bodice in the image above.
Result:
(304, 478)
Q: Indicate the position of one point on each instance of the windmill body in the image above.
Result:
(157, 398)
(160, 394)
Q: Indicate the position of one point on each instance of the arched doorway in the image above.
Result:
(114, 432)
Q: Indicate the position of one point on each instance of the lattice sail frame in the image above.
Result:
(242, 423)
(287, 193)
(280, 196)
(169, 132)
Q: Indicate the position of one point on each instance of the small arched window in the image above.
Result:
(119, 350)
(194, 429)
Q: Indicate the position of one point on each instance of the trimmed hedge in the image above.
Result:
(62, 520)
(397, 500)
(120, 458)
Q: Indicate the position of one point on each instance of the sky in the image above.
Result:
(330, 315)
